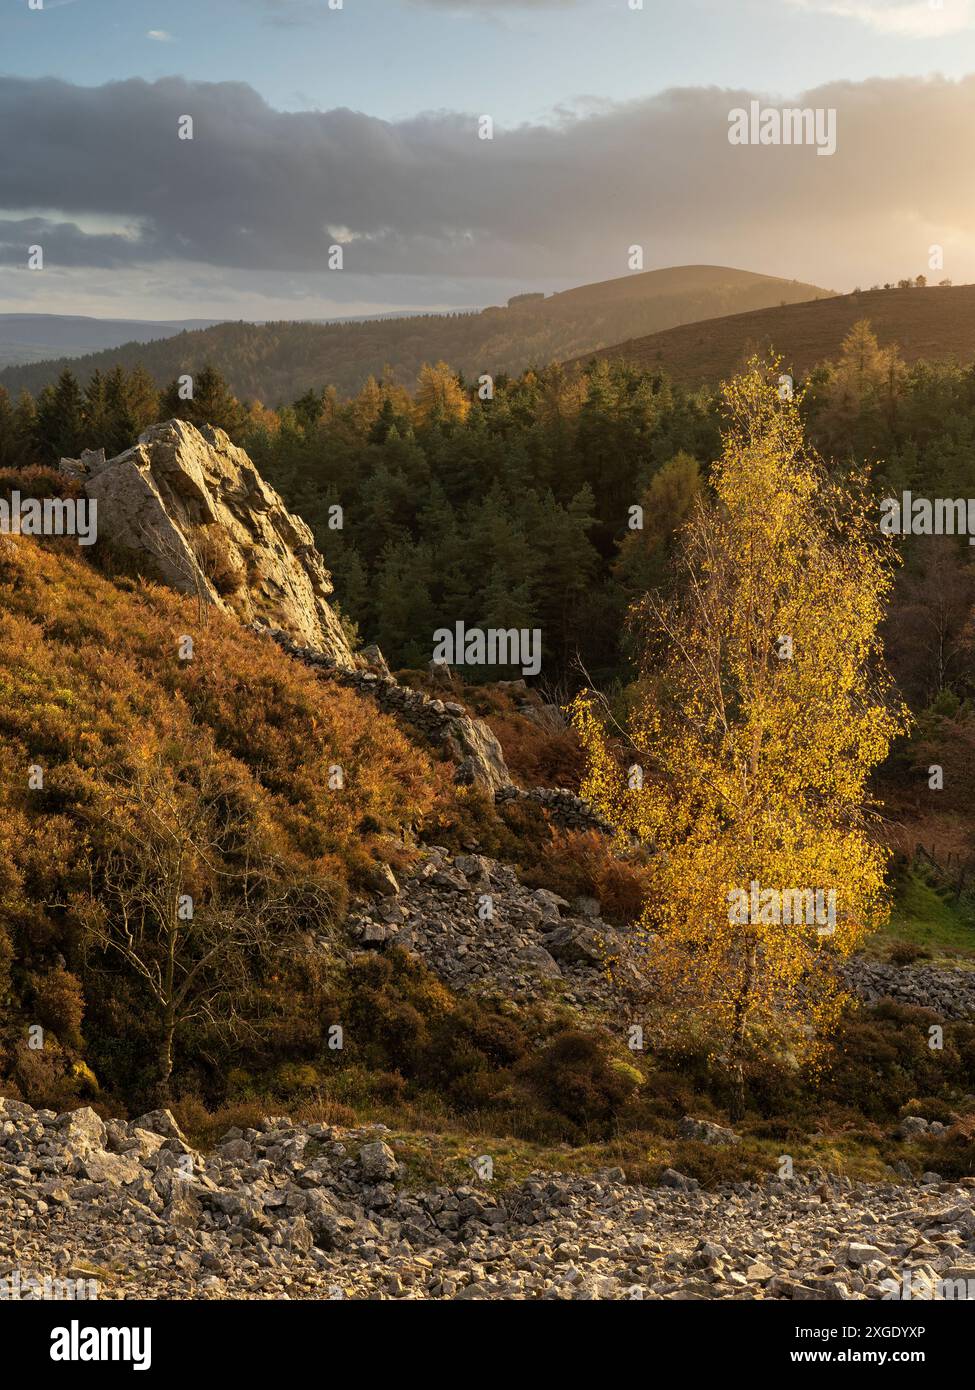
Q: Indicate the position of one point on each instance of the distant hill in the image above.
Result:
(28, 338)
(276, 362)
(935, 323)
(38, 337)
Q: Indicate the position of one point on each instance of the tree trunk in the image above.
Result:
(736, 1107)
(165, 1059)
(736, 1067)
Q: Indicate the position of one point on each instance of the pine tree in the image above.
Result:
(95, 412)
(26, 443)
(440, 400)
(9, 453)
(405, 616)
(212, 403)
(60, 418)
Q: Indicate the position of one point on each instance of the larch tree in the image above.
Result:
(440, 398)
(762, 709)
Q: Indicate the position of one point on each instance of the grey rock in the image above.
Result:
(377, 1162)
(192, 507)
(705, 1132)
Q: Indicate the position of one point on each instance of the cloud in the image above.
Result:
(159, 36)
(911, 18)
(98, 177)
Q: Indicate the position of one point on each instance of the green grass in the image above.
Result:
(923, 917)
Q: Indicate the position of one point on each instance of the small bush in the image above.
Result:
(221, 566)
(584, 864)
(59, 1004)
(904, 953)
(539, 757)
(576, 1076)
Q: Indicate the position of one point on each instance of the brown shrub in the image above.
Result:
(905, 953)
(222, 567)
(576, 1076)
(59, 1004)
(584, 864)
(37, 481)
(91, 688)
(537, 757)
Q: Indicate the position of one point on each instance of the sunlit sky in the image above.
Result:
(610, 129)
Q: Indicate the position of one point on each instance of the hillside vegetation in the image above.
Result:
(275, 361)
(117, 755)
(936, 324)
(230, 756)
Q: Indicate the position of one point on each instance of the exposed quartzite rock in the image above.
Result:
(481, 757)
(191, 506)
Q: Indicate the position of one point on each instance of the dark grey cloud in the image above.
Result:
(98, 176)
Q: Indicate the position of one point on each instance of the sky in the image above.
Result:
(359, 125)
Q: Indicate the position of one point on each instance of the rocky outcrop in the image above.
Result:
(566, 809)
(190, 508)
(470, 743)
(116, 1210)
(482, 932)
(947, 992)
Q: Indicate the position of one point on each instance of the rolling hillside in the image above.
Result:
(937, 323)
(276, 362)
(39, 337)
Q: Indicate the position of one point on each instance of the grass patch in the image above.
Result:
(922, 917)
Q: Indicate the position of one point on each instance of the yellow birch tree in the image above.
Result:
(763, 707)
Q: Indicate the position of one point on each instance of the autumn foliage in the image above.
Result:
(93, 696)
(763, 709)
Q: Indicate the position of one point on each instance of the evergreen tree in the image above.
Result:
(95, 413)
(26, 444)
(212, 403)
(405, 617)
(60, 419)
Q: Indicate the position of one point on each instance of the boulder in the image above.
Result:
(373, 658)
(82, 1130)
(912, 1127)
(381, 879)
(481, 757)
(671, 1178)
(377, 1162)
(117, 1169)
(705, 1132)
(159, 1122)
(193, 511)
(580, 942)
